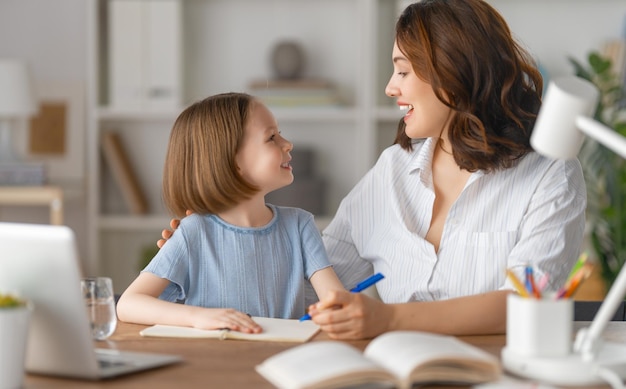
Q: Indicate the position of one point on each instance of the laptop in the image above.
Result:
(40, 263)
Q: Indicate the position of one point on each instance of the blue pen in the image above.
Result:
(530, 283)
(361, 286)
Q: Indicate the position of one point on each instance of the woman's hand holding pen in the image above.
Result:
(346, 315)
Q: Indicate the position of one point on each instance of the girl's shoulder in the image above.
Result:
(194, 218)
(197, 222)
(291, 214)
(285, 211)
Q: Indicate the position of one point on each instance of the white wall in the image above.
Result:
(556, 29)
(50, 35)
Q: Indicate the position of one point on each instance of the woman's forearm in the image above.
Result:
(472, 315)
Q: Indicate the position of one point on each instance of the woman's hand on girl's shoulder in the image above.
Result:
(167, 233)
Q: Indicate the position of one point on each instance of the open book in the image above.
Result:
(274, 330)
(399, 358)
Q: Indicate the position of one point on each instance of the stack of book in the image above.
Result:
(295, 93)
(22, 174)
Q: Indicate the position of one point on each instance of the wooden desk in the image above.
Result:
(212, 363)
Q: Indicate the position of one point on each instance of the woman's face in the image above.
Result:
(426, 116)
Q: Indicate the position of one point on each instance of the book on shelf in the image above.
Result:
(399, 358)
(309, 84)
(274, 330)
(123, 173)
(293, 93)
(22, 174)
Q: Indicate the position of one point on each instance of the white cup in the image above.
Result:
(14, 325)
(100, 305)
(539, 327)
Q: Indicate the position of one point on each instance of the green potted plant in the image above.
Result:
(14, 322)
(605, 171)
(11, 301)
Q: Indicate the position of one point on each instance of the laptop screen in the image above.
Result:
(40, 263)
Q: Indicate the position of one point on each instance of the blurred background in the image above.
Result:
(120, 71)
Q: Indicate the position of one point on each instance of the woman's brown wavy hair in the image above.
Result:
(200, 172)
(465, 50)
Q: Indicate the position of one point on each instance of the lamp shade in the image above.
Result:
(556, 132)
(16, 93)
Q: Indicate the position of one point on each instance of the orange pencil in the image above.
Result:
(577, 279)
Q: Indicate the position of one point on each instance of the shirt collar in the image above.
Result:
(423, 159)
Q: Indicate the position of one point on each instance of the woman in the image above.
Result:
(461, 197)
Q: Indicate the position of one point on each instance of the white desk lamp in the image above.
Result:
(16, 101)
(559, 133)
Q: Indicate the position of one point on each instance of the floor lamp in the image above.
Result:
(563, 121)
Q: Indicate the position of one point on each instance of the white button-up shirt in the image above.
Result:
(531, 214)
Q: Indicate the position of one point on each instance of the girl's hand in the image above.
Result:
(346, 315)
(219, 318)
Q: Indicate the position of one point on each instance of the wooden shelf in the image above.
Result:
(50, 196)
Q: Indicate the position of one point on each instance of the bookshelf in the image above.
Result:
(224, 49)
(225, 45)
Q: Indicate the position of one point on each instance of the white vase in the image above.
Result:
(14, 323)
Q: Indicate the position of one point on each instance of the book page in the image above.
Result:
(274, 330)
(323, 364)
(279, 330)
(432, 357)
(167, 331)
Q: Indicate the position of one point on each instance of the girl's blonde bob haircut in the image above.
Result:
(200, 172)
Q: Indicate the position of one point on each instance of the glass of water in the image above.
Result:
(100, 304)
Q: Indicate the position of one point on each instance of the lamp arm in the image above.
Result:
(589, 340)
(603, 134)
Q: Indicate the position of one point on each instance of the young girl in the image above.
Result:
(235, 256)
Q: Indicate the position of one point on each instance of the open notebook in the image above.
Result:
(274, 330)
(40, 263)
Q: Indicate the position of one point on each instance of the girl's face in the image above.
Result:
(263, 159)
(426, 116)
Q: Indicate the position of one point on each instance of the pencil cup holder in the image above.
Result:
(539, 327)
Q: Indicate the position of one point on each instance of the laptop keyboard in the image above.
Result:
(108, 363)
